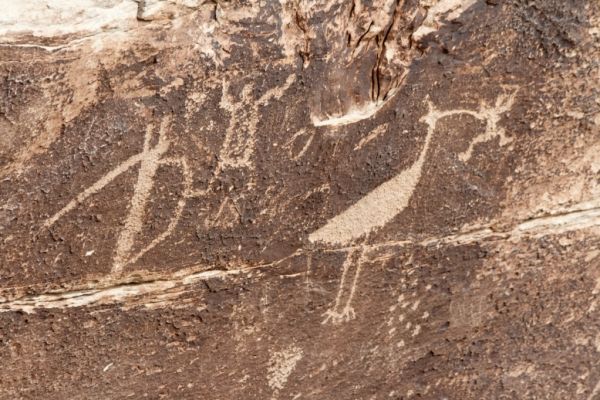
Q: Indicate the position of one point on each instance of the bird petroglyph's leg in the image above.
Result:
(342, 309)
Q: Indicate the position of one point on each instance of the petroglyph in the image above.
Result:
(375, 133)
(150, 159)
(238, 145)
(226, 216)
(297, 136)
(240, 137)
(579, 217)
(133, 224)
(111, 289)
(492, 116)
(342, 309)
(187, 193)
(181, 257)
(390, 198)
(236, 152)
(405, 316)
(281, 365)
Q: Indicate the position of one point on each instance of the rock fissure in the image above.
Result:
(117, 292)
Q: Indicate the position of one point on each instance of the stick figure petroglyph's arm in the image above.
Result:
(389, 199)
(147, 153)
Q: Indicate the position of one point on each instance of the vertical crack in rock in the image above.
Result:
(388, 32)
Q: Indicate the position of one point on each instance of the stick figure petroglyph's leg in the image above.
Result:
(342, 309)
(187, 193)
(141, 193)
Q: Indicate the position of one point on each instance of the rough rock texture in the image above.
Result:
(300, 199)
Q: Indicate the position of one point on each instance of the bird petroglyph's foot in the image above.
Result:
(334, 317)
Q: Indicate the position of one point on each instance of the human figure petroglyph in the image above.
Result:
(239, 143)
(151, 158)
(370, 213)
(236, 152)
(240, 136)
(389, 199)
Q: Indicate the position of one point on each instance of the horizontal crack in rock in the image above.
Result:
(125, 289)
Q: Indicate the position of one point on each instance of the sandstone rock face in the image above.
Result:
(300, 199)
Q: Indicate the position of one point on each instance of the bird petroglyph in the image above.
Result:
(389, 199)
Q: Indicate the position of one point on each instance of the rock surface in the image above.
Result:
(300, 199)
